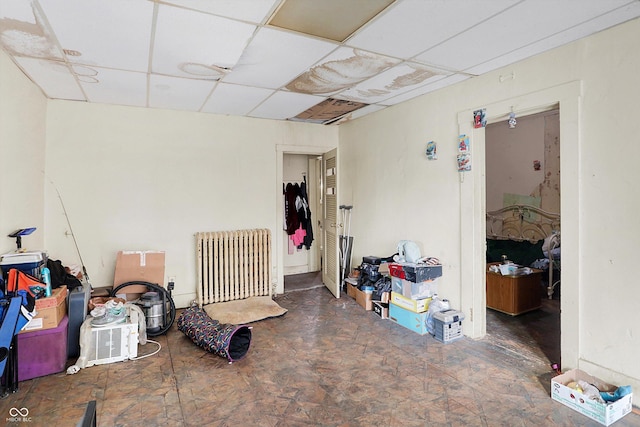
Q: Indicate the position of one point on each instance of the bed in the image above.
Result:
(528, 236)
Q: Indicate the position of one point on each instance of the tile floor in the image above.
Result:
(327, 362)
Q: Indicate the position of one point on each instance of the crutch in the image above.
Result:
(346, 224)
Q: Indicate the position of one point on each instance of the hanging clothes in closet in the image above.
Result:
(297, 215)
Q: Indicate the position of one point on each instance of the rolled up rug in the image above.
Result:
(226, 340)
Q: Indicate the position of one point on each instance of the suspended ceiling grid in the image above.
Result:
(282, 59)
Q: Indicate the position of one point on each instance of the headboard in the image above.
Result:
(523, 233)
(522, 223)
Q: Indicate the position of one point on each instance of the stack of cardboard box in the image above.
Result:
(42, 343)
(412, 287)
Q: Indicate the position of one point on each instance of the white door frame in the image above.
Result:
(279, 239)
(473, 211)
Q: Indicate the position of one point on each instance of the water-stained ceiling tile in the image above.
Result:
(328, 110)
(211, 41)
(284, 105)
(342, 70)
(113, 33)
(429, 87)
(23, 32)
(275, 57)
(330, 19)
(397, 80)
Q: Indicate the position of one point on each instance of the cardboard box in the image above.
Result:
(50, 317)
(425, 289)
(384, 268)
(351, 289)
(381, 309)
(385, 297)
(58, 295)
(364, 299)
(129, 296)
(605, 414)
(143, 266)
(420, 272)
(417, 322)
(415, 305)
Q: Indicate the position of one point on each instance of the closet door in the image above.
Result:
(331, 232)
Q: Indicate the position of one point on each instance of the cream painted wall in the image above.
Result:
(143, 179)
(148, 179)
(398, 194)
(509, 159)
(23, 108)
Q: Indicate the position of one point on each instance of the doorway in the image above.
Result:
(301, 253)
(522, 164)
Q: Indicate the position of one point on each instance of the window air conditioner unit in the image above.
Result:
(113, 343)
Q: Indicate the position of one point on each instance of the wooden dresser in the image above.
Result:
(514, 294)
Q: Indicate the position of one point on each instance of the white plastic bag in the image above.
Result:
(435, 306)
(408, 251)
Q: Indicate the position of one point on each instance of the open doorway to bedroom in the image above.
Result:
(301, 231)
(522, 160)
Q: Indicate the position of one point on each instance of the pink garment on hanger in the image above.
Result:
(298, 236)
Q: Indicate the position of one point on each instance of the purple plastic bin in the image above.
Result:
(42, 352)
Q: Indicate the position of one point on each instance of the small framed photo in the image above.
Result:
(463, 144)
(432, 150)
(464, 162)
(479, 118)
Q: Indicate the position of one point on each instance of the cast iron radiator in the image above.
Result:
(233, 265)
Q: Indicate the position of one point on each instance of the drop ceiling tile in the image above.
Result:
(54, 78)
(23, 34)
(411, 26)
(117, 87)
(525, 23)
(600, 23)
(399, 79)
(366, 110)
(328, 19)
(184, 38)
(19, 10)
(439, 84)
(340, 70)
(255, 11)
(107, 33)
(283, 105)
(178, 93)
(234, 99)
(274, 58)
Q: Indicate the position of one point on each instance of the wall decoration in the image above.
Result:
(464, 162)
(479, 118)
(432, 151)
(463, 144)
